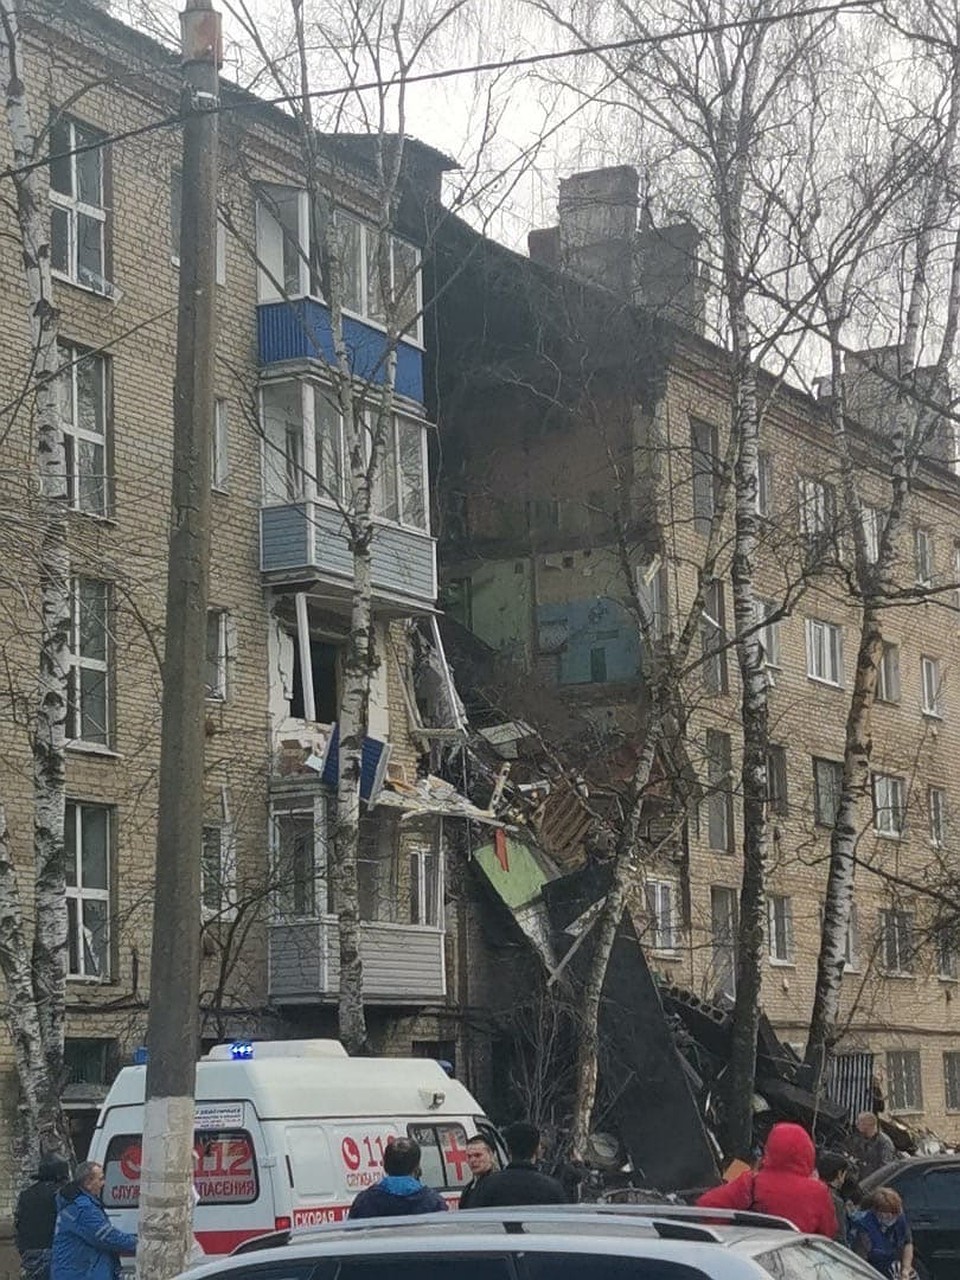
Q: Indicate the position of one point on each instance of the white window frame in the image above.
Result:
(226, 908)
(316, 809)
(80, 894)
(72, 357)
(75, 208)
(722, 948)
(889, 805)
(414, 334)
(888, 673)
(923, 556)
(662, 898)
(896, 928)
(419, 858)
(937, 816)
(769, 632)
(931, 685)
(780, 939)
(817, 507)
(873, 521)
(900, 1065)
(220, 447)
(836, 769)
(851, 942)
(825, 652)
(218, 692)
(80, 662)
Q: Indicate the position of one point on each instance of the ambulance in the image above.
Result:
(287, 1132)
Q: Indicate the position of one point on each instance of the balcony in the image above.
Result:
(304, 541)
(301, 330)
(402, 963)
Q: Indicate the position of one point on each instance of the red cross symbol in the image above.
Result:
(455, 1155)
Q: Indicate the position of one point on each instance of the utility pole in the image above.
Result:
(166, 1200)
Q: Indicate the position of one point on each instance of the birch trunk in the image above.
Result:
(611, 913)
(48, 963)
(754, 710)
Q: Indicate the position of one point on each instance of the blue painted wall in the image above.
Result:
(301, 330)
(596, 640)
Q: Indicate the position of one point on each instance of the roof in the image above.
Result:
(306, 1087)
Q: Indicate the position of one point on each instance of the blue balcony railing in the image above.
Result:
(308, 539)
(301, 330)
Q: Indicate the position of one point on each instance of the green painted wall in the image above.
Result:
(524, 879)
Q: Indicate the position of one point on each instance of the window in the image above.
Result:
(937, 813)
(444, 1151)
(83, 416)
(299, 841)
(87, 833)
(956, 574)
(653, 593)
(777, 780)
(951, 1081)
(827, 790)
(769, 631)
(873, 522)
(824, 652)
(764, 484)
(216, 872)
(78, 216)
(888, 814)
(896, 939)
(605, 1266)
(932, 686)
(888, 674)
(704, 454)
(818, 511)
(923, 556)
(904, 1081)
(226, 1169)
(304, 455)
(948, 962)
(664, 932)
(290, 247)
(724, 911)
(719, 792)
(780, 928)
(425, 894)
(851, 946)
(220, 458)
(89, 677)
(326, 662)
(713, 638)
(216, 677)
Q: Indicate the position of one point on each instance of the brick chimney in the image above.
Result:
(598, 226)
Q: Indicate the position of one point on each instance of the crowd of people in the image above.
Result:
(63, 1231)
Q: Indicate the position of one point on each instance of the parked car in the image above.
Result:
(930, 1189)
(560, 1243)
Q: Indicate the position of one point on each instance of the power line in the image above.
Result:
(449, 73)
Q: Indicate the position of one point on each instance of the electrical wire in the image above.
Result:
(254, 103)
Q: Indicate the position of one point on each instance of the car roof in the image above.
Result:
(912, 1164)
(665, 1231)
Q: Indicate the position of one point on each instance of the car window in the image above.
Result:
(814, 1260)
(427, 1266)
(443, 1154)
(941, 1189)
(275, 1271)
(602, 1266)
(226, 1168)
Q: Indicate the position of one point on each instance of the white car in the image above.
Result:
(576, 1242)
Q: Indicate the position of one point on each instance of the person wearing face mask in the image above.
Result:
(881, 1234)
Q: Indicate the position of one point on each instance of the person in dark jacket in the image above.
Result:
(482, 1161)
(400, 1191)
(520, 1182)
(784, 1185)
(35, 1216)
(833, 1170)
(85, 1245)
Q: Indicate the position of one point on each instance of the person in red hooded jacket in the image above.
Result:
(784, 1185)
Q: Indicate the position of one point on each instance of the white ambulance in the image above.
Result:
(287, 1133)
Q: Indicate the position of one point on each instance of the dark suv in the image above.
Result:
(930, 1189)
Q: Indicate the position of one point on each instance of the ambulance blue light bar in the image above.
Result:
(241, 1050)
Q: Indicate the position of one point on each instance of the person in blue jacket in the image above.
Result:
(85, 1244)
(400, 1191)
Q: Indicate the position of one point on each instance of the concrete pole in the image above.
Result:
(166, 1201)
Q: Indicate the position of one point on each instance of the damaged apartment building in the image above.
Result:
(584, 417)
(281, 574)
